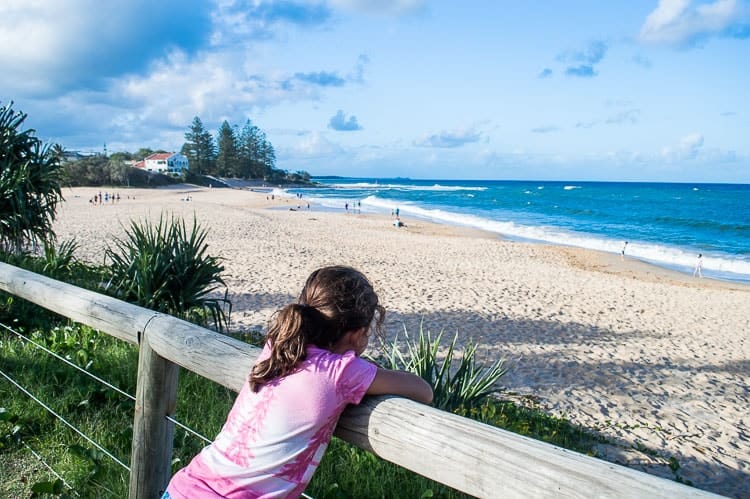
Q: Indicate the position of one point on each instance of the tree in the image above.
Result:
(247, 145)
(117, 171)
(91, 170)
(199, 148)
(227, 161)
(143, 153)
(269, 157)
(122, 156)
(30, 175)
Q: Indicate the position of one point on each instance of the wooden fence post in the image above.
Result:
(155, 398)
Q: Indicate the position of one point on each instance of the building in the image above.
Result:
(164, 162)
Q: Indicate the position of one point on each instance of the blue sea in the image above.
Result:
(665, 224)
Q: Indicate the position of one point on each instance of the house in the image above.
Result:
(164, 162)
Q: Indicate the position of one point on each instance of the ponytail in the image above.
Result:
(293, 328)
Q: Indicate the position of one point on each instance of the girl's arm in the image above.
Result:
(401, 383)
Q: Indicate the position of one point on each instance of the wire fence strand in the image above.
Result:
(51, 470)
(63, 420)
(66, 361)
(100, 380)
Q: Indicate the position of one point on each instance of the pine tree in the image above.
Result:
(246, 149)
(227, 161)
(269, 158)
(199, 148)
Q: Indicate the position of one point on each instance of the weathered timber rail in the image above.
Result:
(475, 458)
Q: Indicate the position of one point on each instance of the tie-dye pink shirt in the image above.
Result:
(274, 439)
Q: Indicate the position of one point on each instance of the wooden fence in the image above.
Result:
(475, 458)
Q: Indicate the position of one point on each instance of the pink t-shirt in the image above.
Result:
(273, 440)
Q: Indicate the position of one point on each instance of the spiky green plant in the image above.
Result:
(59, 260)
(165, 267)
(454, 387)
(29, 184)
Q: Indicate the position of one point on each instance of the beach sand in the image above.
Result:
(651, 359)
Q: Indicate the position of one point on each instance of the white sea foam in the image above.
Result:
(571, 187)
(714, 265)
(717, 265)
(278, 192)
(404, 187)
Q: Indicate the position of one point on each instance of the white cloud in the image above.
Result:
(35, 34)
(689, 147)
(50, 47)
(449, 138)
(678, 22)
(316, 145)
(340, 122)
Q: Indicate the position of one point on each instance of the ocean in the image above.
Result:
(664, 224)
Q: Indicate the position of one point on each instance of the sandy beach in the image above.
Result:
(650, 358)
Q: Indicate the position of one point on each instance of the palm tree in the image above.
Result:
(30, 175)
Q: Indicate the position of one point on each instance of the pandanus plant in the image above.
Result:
(30, 177)
(463, 386)
(165, 267)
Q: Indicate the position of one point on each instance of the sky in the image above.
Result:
(575, 90)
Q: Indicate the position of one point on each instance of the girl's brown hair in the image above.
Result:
(334, 301)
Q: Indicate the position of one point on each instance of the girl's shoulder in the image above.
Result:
(339, 362)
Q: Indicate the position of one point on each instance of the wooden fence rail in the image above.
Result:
(475, 458)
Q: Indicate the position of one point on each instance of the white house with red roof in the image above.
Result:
(164, 162)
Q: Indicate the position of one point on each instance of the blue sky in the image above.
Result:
(578, 90)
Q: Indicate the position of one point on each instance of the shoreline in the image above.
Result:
(647, 357)
(715, 273)
(584, 258)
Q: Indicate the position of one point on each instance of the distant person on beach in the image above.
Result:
(310, 369)
(398, 223)
(698, 271)
(624, 247)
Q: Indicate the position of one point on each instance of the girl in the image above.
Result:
(307, 373)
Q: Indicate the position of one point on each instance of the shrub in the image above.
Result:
(166, 268)
(464, 386)
(29, 184)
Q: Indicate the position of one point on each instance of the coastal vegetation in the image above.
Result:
(29, 184)
(165, 267)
